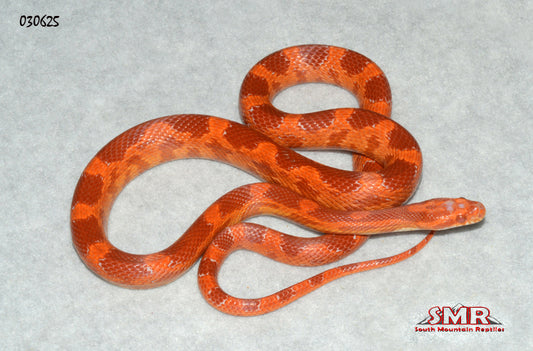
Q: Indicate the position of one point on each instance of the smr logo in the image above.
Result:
(459, 319)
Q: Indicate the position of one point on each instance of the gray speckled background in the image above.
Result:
(460, 73)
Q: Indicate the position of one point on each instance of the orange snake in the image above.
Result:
(368, 200)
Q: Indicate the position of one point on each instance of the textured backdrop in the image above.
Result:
(461, 79)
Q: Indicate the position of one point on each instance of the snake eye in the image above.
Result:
(460, 219)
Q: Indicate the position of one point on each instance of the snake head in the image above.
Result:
(446, 213)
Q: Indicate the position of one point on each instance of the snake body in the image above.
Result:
(347, 205)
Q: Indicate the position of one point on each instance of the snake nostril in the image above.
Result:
(477, 211)
(481, 210)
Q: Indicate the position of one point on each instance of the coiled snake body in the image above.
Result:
(347, 205)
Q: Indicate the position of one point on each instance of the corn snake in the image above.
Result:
(346, 205)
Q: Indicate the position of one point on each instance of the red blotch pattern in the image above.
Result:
(346, 205)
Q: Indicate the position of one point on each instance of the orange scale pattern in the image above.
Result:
(348, 206)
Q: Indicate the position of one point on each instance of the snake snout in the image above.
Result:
(466, 211)
(476, 211)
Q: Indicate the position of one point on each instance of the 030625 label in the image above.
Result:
(45, 21)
